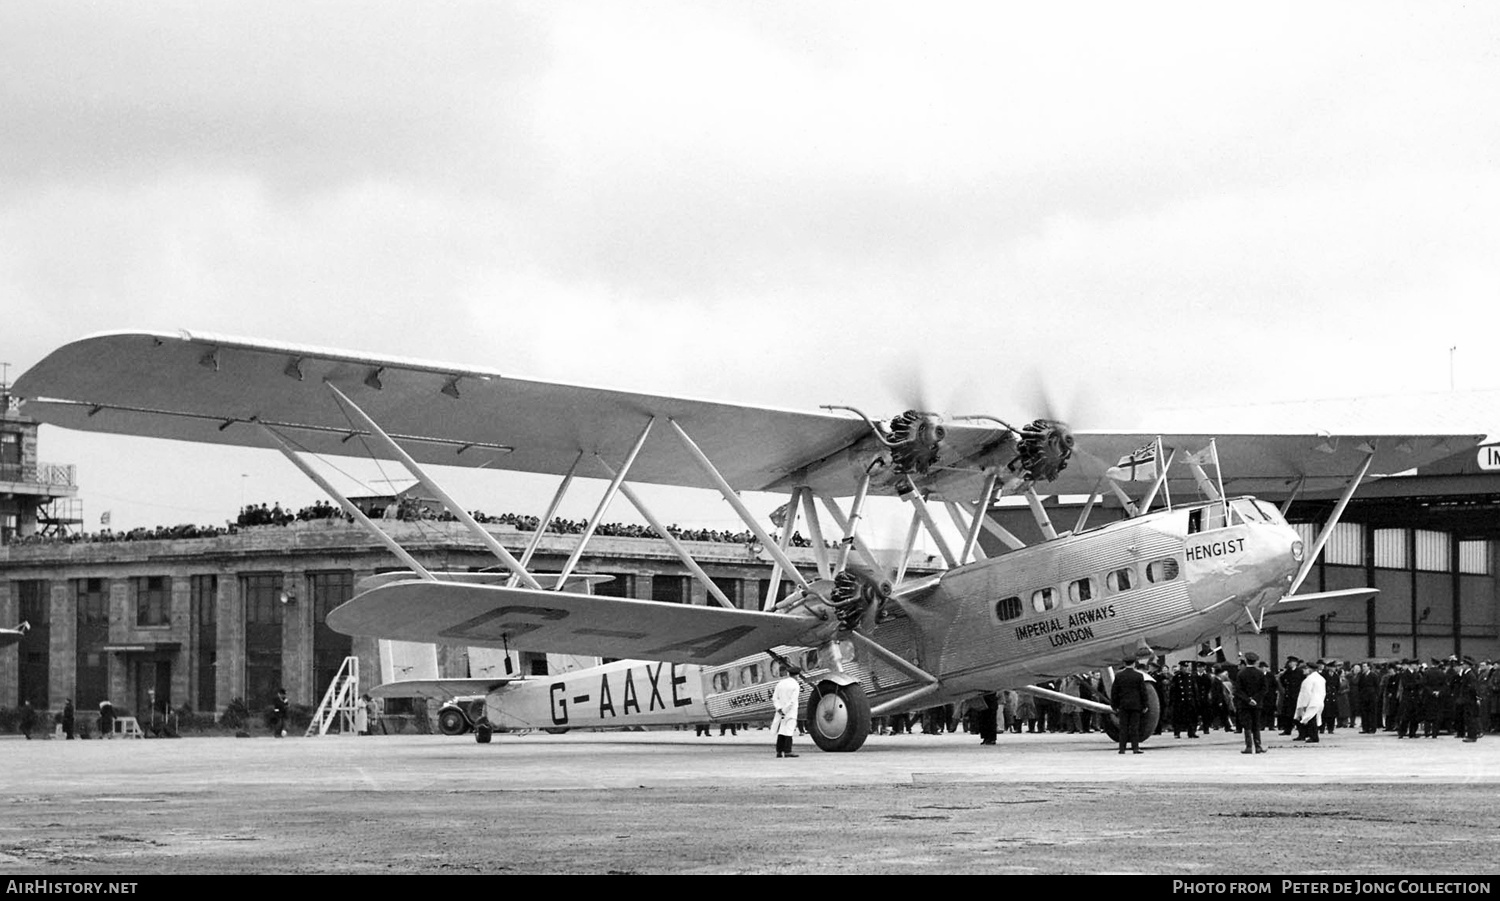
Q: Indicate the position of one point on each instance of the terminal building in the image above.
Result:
(182, 618)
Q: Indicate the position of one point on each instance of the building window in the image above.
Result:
(620, 585)
(1474, 557)
(1346, 546)
(153, 600)
(669, 589)
(1434, 551)
(36, 602)
(93, 602)
(734, 590)
(262, 595)
(1390, 549)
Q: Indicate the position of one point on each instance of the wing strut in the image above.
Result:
(815, 534)
(787, 525)
(986, 497)
(919, 506)
(851, 525)
(604, 502)
(739, 506)
(358, 514)
(966, 529)
(851, 537)
(1333, 519)
(714, 591)
(541, 529)
(459, 512)
(1006, 536)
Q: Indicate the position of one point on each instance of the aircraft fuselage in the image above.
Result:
(1079, 602)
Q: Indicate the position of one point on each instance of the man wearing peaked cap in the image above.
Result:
(1290, 681)
(1128, 697)
(1249, 691)
(1466, 698)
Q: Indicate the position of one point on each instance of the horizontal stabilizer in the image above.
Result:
(522, 619)
(1312, 606)
(438, 689)
(576, 582)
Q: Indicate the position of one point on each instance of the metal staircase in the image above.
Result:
(340, 702)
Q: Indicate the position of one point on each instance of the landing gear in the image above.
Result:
(1149, 719)
(838, 716)
(482, 733)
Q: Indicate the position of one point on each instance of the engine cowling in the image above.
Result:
(1043, 450)
(915, 439)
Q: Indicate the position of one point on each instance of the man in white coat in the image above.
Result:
(784, 699)
(1309, 704)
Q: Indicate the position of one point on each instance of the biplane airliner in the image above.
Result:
(1165, 577)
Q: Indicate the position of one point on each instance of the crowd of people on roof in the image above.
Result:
(403, 509)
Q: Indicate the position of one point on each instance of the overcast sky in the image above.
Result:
(1139, 205)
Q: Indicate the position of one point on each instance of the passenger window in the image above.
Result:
(1164, 570)
(810, 662)
(721, 681)
(1008, 609)
(1044, 599)
(1081, 591)
(1121, 580)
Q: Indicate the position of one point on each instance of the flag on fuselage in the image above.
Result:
(1135, 466)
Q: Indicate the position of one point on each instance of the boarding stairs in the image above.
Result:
(340, 703)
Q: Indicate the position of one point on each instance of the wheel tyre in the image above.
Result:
(451, 721)
(557, 730)
(1148, 721)
(482, 734)
(838, 717)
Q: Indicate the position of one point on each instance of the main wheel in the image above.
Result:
(482, 733)
(1148, 721)
(451, 721)
(838, 716)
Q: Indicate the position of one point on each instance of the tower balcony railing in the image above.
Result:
(63, 475)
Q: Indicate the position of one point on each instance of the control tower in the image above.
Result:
(35, 497)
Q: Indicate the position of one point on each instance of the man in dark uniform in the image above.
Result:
(1466, 700)
(1184, 696)
(67, 720)
(1209, 696)
(1290, 681)
(1408, 699)
(1249, 692)
(1128, 697)
(1434, 682)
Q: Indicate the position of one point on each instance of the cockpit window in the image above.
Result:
(1271, 513)
(1206, 519)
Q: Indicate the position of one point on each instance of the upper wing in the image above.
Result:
(523, 619)
(203, 387)
(213, 388)
(1265, 463)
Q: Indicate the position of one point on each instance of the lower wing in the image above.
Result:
(494, 616)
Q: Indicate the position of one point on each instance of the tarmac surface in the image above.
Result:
(671, 802)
